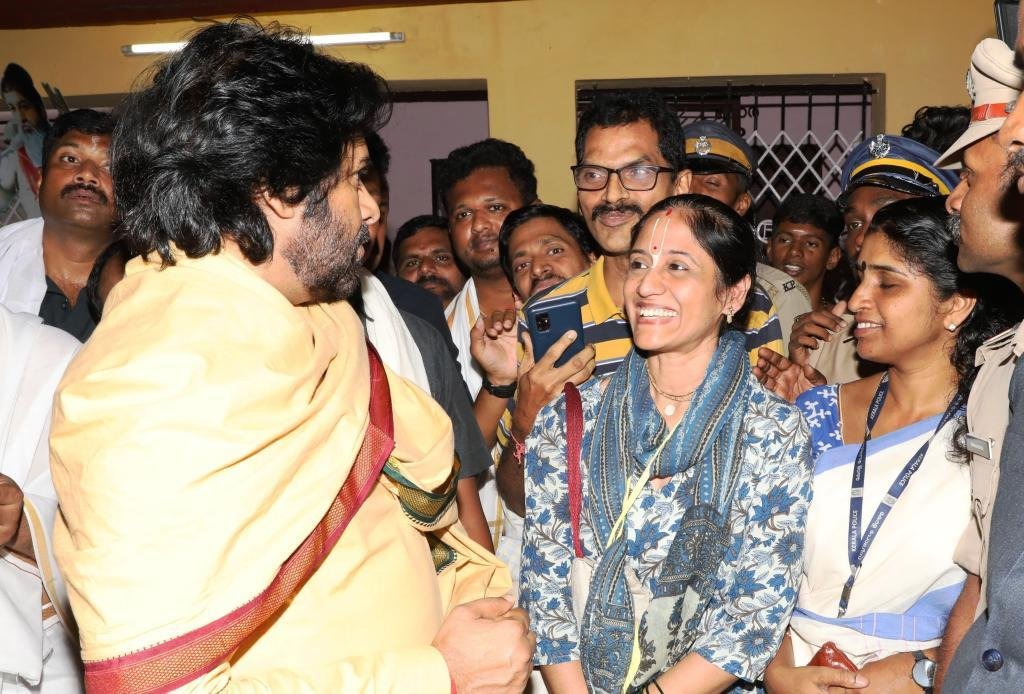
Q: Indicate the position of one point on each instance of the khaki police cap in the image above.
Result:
(993, 83)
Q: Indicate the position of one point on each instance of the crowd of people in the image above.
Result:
(250, 442)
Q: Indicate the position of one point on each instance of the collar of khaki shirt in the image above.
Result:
(998, 344)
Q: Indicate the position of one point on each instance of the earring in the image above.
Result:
(728, 317)
(952, 327)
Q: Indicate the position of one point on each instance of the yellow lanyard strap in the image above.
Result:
(633, 491)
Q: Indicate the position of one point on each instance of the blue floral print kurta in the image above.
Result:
(758, 580)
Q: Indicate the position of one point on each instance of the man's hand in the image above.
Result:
(891, 675)
(11, 503)
(492, 343)
(539, 384)
(783, 377)
(811, 328)
(488, 646)
(542, 382)
(812, 680)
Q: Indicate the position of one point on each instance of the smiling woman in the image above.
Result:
(896, 433)
(694, 483)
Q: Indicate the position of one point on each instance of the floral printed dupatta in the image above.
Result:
(628, 434)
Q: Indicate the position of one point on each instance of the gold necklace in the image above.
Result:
(670, 409)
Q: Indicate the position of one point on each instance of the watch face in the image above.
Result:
(924, 673)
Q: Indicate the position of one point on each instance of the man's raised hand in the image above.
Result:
(785, 378)
(810, 329)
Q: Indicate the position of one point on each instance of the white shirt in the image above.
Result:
(34, 357)
(22, 273)
(462, 313)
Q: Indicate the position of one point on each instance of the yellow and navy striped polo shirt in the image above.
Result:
(604, 324)
(763, 328)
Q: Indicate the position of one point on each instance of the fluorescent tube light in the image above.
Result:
(365, 38)
(152, 48)
(357, 39)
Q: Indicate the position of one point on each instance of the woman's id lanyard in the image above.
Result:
(860, 538)
(633, 491)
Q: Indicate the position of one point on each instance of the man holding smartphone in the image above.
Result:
(540, 247)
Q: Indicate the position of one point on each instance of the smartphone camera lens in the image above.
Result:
(543, 322)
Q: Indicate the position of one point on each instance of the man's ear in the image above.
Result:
(743, 203)
(276, 206)
(834, 256)
(684, 179)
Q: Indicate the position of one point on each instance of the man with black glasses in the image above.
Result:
(630, 156)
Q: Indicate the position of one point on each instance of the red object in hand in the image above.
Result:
(829, 655)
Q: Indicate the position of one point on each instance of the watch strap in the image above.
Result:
(505, 391)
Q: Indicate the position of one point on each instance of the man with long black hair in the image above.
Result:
(250, 499)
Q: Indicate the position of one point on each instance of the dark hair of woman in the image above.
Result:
(917, 231)
(722, 233)
(241, 110)
(938, 127)
(117, 251)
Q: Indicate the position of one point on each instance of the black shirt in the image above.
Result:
(56, 310)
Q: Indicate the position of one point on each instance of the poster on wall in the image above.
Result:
(21, 156)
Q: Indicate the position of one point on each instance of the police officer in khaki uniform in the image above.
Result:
(987, 222)
(723, 167)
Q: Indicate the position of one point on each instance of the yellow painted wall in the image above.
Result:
(531, 52)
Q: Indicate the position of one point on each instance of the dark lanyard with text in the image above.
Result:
(858, 543)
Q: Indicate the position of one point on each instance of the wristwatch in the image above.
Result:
(505, 391)
(923, 673)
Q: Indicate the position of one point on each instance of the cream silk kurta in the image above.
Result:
(198, 438)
